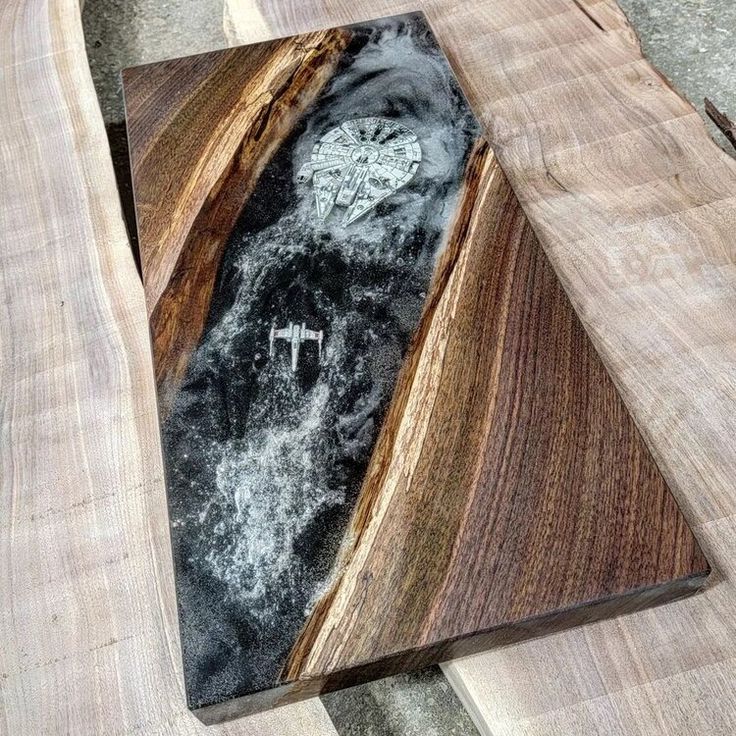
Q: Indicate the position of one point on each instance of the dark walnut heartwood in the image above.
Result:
(431, 458)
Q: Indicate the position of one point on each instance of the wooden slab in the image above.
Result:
(456, 469)
(668, 670)
(641, 233)
(88, 641)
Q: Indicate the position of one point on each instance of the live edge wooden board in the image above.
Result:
(388, 439)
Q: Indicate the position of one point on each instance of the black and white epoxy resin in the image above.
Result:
(265, 451)
(359, 164)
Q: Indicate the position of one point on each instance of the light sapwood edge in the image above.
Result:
(243, 22)
(467, 700)
(177, 259)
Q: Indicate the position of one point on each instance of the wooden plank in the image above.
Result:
(634, 205)
(89, 642)
(333, 552)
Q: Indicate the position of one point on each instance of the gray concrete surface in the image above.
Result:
(693, 43)
(419, 704)
(120, 33)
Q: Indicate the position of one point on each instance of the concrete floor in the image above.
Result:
(121, 33)
(418, 704)
(692, 42)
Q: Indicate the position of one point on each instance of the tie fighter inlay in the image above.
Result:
(359, 164)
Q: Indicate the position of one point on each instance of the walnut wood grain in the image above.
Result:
(562, 481)
(506, 458)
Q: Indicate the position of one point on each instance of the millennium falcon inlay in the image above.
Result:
(359, 164)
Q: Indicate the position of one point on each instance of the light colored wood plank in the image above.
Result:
(635, 206)
(244, 22)
(89, 642)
